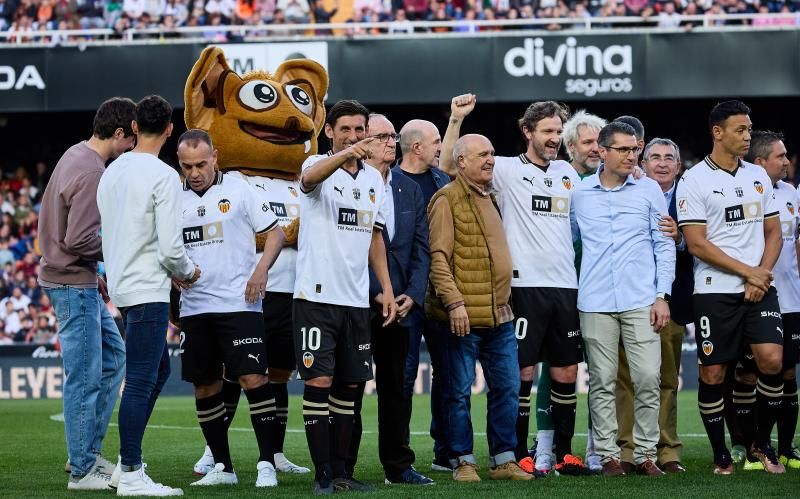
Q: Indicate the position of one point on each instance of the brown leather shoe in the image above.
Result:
(611, 467)
(673, 467)
(649, 468)
(628, 468)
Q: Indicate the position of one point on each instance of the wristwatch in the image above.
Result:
(663, 296)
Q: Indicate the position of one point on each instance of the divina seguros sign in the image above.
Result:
(586, 69)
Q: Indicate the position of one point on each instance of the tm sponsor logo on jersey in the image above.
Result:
(355, 220)
(743, 214)
(537, 59)
(550, 206)
(201, 235)
(285, 210)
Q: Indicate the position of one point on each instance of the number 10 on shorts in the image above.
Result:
(311, 338)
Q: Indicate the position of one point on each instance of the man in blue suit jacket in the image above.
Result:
(406, 240)
(661, 161)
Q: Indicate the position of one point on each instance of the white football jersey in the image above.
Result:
(219, 231)
(339, 216)
(733, 207)
(283, 198)
(535, 208)
(787, 278)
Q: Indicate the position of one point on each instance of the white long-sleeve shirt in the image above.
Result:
(138, 198)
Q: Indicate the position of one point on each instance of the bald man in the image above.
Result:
(421, 146)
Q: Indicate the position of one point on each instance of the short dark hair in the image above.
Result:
(635, 123)
(608, 131)
(153, 115)
(761, 144)
(538, 111)
(346, 108)
(116, 112)
(194, 136)
(725, 110)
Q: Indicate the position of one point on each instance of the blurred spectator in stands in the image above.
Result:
(23, 209)
(295, 11)
(439, 14)
(177, 9)
(416, 10)
(43, 333)
(266, 11)
(224, 8)
(33, 290)
(716, 11)
(244, 11)
(373, 6)
(323, 15)
(6, 13)
(6, 255)
(669, 18)
(168, 26)
(91, 13)
(215, 35)
(278, 17)
(111, 12)
(42, 175)
(27, 266)
(5, 339)
(401, 24)
(133, 9)
(18, 300)
(45, 14)
(12, 321)
(21, 28)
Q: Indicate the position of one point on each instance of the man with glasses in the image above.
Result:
(662, 164)
(626, 273)
(408, 258)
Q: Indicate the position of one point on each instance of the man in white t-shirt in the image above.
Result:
(768, 151)
(534, 195)
(221, 316)
(138, 199)
(340, 236)
(730, 219)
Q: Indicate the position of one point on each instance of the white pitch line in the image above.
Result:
(60, 417)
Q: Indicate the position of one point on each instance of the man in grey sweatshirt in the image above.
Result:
(91, 346)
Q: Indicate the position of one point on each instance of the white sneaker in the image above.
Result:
(593, 461)
(285, 466)
(115, 475)
(104, 465)
(544, 462)
(137, 483)
(205, 464)
(266, 475)
(218, 476)
(94, 480)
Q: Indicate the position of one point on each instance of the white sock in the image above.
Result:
(544, 441)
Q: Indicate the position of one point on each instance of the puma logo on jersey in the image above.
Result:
(528, 180)
(340, 190)
(721, 192)
(254, 357)
(261, 187)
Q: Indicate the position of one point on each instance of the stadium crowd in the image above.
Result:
(21, 16)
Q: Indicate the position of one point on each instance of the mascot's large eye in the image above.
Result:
(258, 95)
(299, 98)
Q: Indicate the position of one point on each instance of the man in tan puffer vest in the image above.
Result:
(471, 277)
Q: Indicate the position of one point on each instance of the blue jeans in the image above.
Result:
(435, 335)
(94, 364)
(496, 348)
(147, 371)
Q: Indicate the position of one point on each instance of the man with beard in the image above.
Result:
(534, 194)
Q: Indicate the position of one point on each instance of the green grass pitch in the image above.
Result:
(32, 456)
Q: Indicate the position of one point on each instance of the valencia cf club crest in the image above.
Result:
(308, 359)
(790, 207)
(708, 347)
(224, 205)
(292, 191)
(548, 182)
(356, 193)
(759, 187)
(567, 182)
(371, 195)
(739, 192)
(201, 211)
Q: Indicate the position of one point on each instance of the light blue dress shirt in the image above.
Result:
(626, 258)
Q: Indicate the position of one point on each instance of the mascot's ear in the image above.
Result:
(203, 92)
(316, 76)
